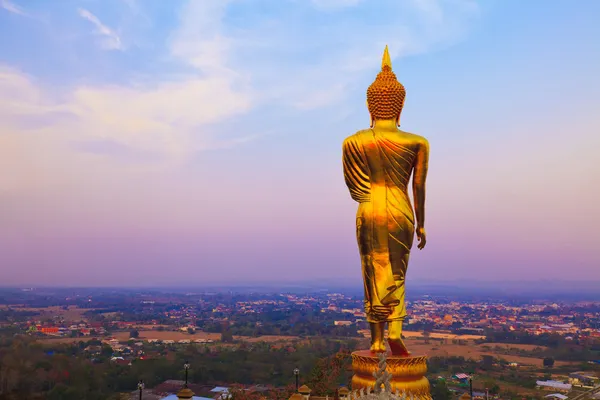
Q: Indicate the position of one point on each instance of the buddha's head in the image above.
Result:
(385, 96)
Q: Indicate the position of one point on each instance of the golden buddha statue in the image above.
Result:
(378, 164)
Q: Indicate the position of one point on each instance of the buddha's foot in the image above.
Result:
(398, 347)
(378, 347)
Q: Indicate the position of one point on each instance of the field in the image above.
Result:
(471, 350)
(415, 343)
(176, 336)
(73, 314)
(448, 336)
(526, 347)
(170, 335)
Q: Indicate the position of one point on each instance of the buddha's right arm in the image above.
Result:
(355, 174)
(419, 178)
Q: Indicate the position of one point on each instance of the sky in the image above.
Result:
(151, 142)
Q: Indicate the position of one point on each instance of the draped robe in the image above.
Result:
(377, 170)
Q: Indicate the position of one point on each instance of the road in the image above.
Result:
(586, 395)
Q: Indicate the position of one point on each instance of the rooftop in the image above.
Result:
(557, 396)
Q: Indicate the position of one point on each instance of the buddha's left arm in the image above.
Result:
(419, 178)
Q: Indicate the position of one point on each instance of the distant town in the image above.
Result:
(503, 349)
(83, 315)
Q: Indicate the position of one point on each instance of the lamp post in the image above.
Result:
(141, 387)
(471, 385)
(187, 368)
(297, 375)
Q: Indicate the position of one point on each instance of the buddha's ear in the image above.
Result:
(399, 114)
(370, 116)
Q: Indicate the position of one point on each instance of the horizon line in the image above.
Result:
(548, 283)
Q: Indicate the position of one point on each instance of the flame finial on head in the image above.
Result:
(386, 61)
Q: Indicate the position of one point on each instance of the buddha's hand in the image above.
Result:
(422, 236)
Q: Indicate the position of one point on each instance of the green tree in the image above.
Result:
(548, 362)
(328, 373)
(226, 336)
(62, 392)
(492, 387)
(495, 389)
(238, 393)
(487, 361)
(107, 351)
(440, 391)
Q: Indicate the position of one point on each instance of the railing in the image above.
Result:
(587, 394)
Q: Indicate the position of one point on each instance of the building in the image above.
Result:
(171, 386)
(462, 378)
(342, 323)
(582, 379)
(556, 396)
(554, 385)
(48, 330)
(221, 393)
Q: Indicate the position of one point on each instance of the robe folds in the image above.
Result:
(377, 170)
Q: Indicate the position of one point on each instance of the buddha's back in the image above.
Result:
(398, 153)
(393, 162)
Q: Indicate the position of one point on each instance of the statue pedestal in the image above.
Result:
(408, 373)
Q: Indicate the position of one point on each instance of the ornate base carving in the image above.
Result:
(407, 373)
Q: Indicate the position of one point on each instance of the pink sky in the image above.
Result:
(125, 163)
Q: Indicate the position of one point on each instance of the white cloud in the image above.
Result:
(168, 120)
(311, 63)
(155, 124)
(163, 120)
(333, 4)
(11, 7)
(110, 40)
(199, 40)
(431, 8)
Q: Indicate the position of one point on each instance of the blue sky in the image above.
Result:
(188, 134)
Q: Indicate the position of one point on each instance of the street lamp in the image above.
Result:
(297, 375)
(187, 368)
(471, 385)
(141, 387)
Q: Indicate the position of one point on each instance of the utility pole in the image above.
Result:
(297, 375)
(141, 387)
(471, 386)
(187, 368)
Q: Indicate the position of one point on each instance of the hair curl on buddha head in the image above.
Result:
(386, 95)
